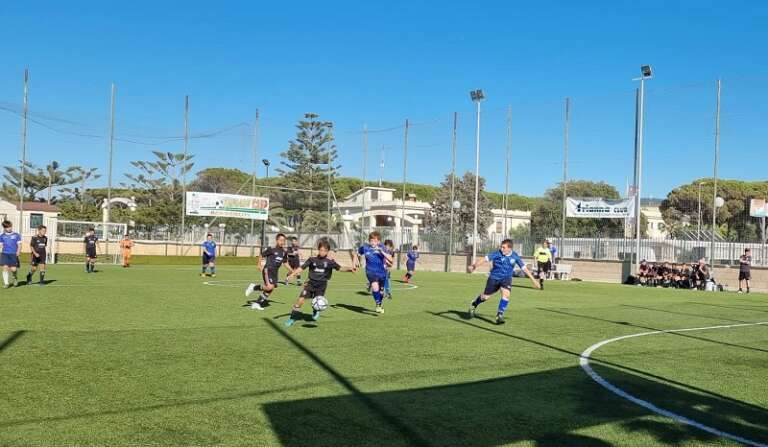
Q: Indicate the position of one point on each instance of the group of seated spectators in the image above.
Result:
(679, 276)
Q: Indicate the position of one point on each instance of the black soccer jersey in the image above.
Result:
(39, 244)
(745, 263)
(292, 252)
(90, 241)
(274, 258)
(320, 269)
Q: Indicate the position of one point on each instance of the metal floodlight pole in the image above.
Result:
(453, 181)
(330, 189)
(109, 164)
(716, 163)
(255, 155)
(405, 179)
(506, 170)
(645, 73)
(477, 96)
(24, 118)
(698, 230)
(566, 135)
(365, 169)
(183, 168)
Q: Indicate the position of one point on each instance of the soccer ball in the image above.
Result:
(319, 303)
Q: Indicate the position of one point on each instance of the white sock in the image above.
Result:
(5, 277)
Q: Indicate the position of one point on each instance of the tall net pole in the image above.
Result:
(364, 221)
(113, 92)
(566, 131)
(184, 168)
(24, 117)
(453, 181)
(405, 179)
(717, 161)
(506, 169)
(255, 155)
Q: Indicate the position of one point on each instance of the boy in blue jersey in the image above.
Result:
(390, 249)
(503, 264)
(410, 263)
(9, 254)
(376, 256)
(209, 256)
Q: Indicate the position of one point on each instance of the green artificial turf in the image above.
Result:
(152, 355)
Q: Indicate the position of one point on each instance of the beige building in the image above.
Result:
(35, 214)
(383, 209)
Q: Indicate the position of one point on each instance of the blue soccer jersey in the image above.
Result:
(10, 242)
(412, 256)
(503, 266)
(374, 259)
(209, 248)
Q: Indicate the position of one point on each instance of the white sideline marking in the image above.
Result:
(346, 287)
(584, 363)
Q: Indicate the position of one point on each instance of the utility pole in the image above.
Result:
(24, 118)
(109, 164)
(184, 170)
(255, 155)
(566, 131)
(506, 170)
(365, 171)
(405, 179)
(717, 161)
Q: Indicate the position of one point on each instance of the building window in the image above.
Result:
(35, 220)
(374, 194)
(498, 226)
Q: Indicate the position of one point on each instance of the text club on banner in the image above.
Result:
(758, 208)
(600, 208)
(227, 205)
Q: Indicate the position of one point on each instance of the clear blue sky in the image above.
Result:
(382, 62)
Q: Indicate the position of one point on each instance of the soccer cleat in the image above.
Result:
(213, 275)
(472, 310)
(379, 310)
(250, 289)
(388, 295)
(203, 275)
(739, 291)
(41, 283)
(6, 286)
(29, 277)
(256, 306)
(499, 318)
(289, 322)
(315, 315)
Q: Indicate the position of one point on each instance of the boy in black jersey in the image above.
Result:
(90, 243)
(294, 258)
(321, 269)
(38, 245)
(272, 258)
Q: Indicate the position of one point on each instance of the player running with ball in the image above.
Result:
(272, 258)
(376, 257)
(320, 269)
(503, 264)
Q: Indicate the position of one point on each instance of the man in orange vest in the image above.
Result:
(126, 245)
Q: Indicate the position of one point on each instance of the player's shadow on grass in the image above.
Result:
(35, 283)
(11, 339)
(353, 308)
(544, 407)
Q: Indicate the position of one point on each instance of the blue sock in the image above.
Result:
(503, 305)
(386, 284)
(377, 297)
(213, 270)
(478, 301)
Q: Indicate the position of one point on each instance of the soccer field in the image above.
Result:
(155, 355)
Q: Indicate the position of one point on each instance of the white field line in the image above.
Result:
(584, 363)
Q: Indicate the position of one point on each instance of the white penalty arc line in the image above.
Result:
(584, 363)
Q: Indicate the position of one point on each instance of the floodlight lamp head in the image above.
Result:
(265, 161)
(645, 71)
(477, 95)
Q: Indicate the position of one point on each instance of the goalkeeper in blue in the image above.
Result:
(376, 258)
(320, 269)
(503, 264)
